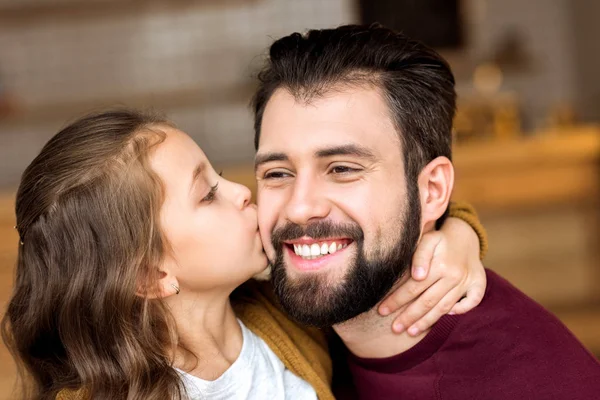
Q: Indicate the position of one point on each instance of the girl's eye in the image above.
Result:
(211, 194)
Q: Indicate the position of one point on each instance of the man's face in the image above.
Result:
(338, 221)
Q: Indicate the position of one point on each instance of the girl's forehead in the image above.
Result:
(178, 149)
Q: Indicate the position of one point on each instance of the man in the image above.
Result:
(353, 136)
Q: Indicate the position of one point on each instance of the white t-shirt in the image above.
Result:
(256, 374)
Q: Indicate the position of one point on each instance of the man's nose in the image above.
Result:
(308, 201)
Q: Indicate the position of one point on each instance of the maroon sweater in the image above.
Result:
(508, 347)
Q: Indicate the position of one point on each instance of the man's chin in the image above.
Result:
(312, 298)
(309, 302)
(335, 292)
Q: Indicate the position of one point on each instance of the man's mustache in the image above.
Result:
(316, 230)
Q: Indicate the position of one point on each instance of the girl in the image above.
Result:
(130, 248)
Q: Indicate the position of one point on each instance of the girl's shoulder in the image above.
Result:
(303, 350)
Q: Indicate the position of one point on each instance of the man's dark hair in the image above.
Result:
(415, 81)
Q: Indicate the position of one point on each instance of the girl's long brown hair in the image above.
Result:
(87, 215)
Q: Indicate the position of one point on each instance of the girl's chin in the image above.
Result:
(263, 275)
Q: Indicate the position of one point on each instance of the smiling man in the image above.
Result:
(353, 136)
(343, 232)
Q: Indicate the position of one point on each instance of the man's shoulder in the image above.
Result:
(507, 315)
(510, 339)
(503, 301)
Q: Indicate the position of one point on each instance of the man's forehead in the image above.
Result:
(358, 115)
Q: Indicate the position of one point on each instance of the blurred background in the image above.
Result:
(527, 148)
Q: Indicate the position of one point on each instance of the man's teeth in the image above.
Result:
(317, 250)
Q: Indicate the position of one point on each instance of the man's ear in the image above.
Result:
(436, 182)
(158, 284)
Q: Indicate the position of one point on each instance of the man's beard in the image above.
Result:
(312, 300)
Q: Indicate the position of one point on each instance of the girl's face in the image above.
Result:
(207, 220)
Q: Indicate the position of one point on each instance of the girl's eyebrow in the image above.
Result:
(196, 174)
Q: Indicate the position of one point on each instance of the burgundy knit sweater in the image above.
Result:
(508, 347)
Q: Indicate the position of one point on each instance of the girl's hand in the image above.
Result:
(447, 277)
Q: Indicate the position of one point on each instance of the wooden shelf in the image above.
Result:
(546, 169)
(584, 322)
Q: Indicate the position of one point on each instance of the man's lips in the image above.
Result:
(309, 254)
(309, 241)
(308, 248)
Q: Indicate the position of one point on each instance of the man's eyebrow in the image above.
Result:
(346, 150)
(196, 174)
(268, 157)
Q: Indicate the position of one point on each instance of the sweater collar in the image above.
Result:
(413, 356)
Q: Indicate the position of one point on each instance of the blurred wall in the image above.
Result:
(544, 30)
(181, 58)
(196, 59)
(585, 34)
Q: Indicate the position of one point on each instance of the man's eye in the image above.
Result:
(276, 175)
(342, 169)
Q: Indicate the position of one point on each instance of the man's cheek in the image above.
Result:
(263, 227)
(265, 236)
(270, 252)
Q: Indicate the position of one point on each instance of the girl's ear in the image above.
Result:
(159, 286)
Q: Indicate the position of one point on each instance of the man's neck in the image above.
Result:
(370, 335)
